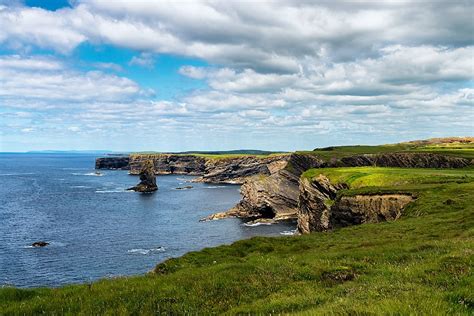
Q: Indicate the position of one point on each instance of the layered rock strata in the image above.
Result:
(115, 162)
(273, 195)
(320, 209)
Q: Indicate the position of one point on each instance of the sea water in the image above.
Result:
(97, 229)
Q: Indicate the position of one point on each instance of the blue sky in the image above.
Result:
(169, 76)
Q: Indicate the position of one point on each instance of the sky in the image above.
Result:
(220, 75)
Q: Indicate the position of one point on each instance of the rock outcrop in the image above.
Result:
(359, 209)
(39, 244)
(320, 209)
(113, 162)
(273, 195)
(237, 170)
(169, 164)
(315, 201)
(147, 179)
(402, 160)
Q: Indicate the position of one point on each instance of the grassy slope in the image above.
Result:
(421, 264)
(464, 150)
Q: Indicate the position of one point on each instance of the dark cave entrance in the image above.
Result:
(267, 212)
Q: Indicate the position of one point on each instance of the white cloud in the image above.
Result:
(144, 60)
(281, 69)
(37, 78)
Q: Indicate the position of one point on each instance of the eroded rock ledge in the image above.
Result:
(320, 209)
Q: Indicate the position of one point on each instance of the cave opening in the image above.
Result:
(267, 212)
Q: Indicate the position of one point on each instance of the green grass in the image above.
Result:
(359, 177)
(421, 264)
(150, 155)
(462, 150)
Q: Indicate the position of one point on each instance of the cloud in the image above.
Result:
(286, 71)
(47, 79)
(145, 60)
(266, 37)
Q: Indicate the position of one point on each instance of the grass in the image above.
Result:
(456, 149)
(421, 264)
(223, 155)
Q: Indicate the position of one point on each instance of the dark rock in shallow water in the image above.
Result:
(147, 179)
(185, 187)
(40, 244)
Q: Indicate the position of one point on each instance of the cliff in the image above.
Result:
(115, 162)
(273, 195)
(271, 184)
(321, 209)
(169, 163)
(402, 160)
(359, 209)
(314, 203)
(237, 170)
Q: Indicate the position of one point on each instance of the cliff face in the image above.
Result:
(320, 210)
(237, 170)
(359, 209)
(402, 160)
(275, 195)
(169, 164)
(315, 200)
(112, 163)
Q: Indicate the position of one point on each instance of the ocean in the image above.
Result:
(97, 229)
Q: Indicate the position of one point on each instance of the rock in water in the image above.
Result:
(147, 179)
(40, 244)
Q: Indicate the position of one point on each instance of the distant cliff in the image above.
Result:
(113, 162)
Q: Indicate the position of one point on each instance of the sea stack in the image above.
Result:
(147, 179)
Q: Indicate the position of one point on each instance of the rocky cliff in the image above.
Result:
(314, 203)
(113, 162)
(320, 209)
(402, 160)
(237, 170)
(274, 194)
(359, 209)
(270, 185)
(169, 164)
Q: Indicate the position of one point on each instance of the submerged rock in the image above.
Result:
(40, 244)
(147, 179)
(185, 187)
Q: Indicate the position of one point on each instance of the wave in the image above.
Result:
(117, 190)
(256, 224)
(93, 174)
(288, 232)
(141, 251)
(215, 187)
(79, 187)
